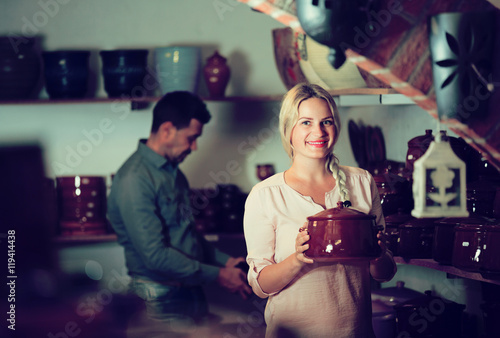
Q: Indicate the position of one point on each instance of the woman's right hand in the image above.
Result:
(301, 245)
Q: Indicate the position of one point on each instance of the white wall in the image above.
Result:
(94, 139)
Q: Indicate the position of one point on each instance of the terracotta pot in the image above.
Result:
(339, 234)
(216, 73)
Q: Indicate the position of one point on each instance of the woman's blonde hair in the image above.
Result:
(289, 115)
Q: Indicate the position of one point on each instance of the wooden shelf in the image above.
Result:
(336, 92)
(84, 239)
(432, 264)
(426, 263)
(81, 239)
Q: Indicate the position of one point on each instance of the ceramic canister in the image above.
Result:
(177, 68)
(339, 234)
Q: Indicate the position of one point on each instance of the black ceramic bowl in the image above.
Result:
(66, 73)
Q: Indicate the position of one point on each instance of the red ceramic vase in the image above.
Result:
(216, 73)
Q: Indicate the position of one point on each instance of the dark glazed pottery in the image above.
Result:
(414, 317)
(216, 73)
(66, 73)
(124, 71)
(339, 234)
(461, 46)
(19, 68)
(82, 205)
(416, 238)
(333, 22)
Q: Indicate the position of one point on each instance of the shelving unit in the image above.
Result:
(426, 263)
(432, 264)
(336, 92)
(112, 237)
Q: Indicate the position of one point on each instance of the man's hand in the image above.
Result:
(234, 280)
(233, 261)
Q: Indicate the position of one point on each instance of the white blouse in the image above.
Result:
(324, 299)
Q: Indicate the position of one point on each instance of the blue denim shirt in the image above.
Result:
(150, 211)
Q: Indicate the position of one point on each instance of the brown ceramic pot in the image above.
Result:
(339, 234)
(467, 246)
(416, 238)
(392, 223)
(82, 205)
(490, 268)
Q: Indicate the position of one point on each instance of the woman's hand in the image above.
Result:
(301, 245)
(382, 242)
(383, 268)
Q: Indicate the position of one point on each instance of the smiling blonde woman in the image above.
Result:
(307, 298)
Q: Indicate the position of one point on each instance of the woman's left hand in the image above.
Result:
(383, 241)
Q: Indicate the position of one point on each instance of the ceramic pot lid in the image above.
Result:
(340, 213)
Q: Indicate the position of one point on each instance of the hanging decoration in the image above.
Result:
(439, 185)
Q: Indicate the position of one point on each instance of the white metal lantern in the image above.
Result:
(439, 187)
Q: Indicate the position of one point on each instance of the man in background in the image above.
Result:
(167, 259)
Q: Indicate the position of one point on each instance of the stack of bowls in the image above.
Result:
(82, 205)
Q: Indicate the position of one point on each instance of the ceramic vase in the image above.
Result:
(66, 73)
(124, 71)
(178, 68)
(216, 73)
(20, 66)
(461, 46)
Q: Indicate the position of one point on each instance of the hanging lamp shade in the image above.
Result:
(439, 185)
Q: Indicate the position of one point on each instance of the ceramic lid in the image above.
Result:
(420, 140)
(396, 219)
(424, 301)
(419, 223)
(395, 295)
(340, 213)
